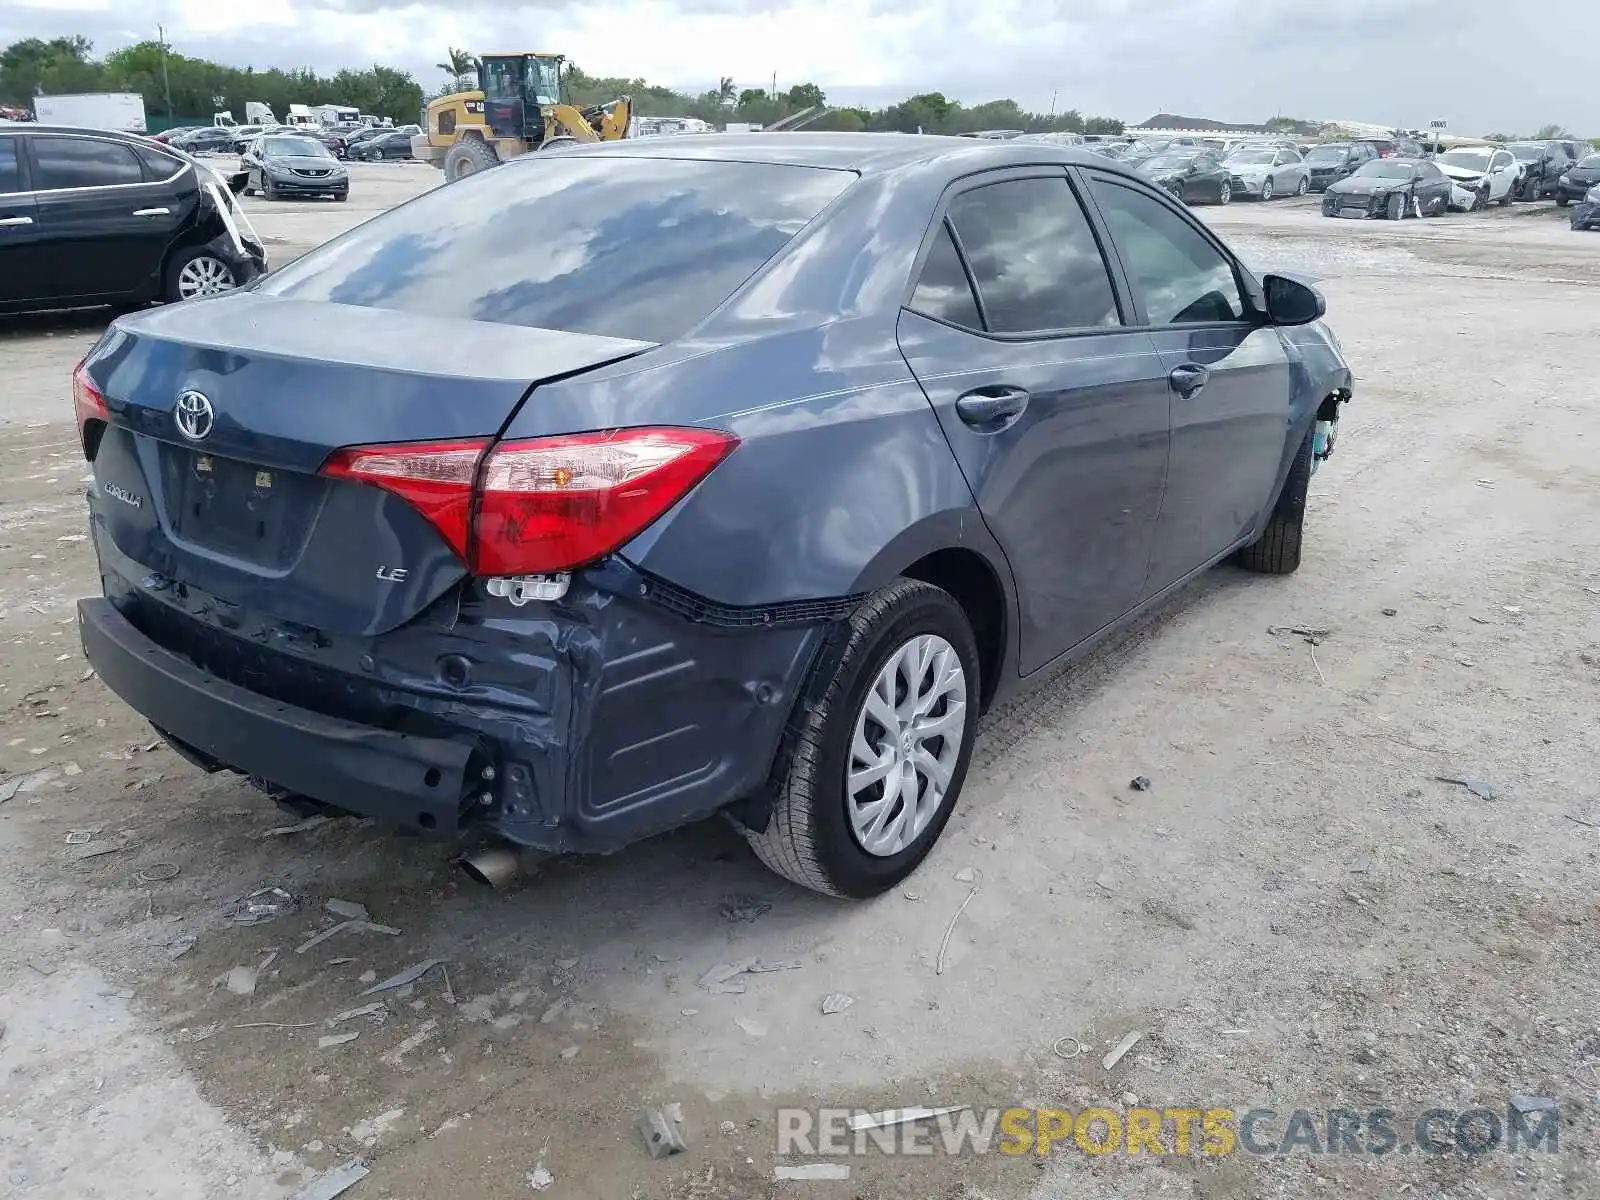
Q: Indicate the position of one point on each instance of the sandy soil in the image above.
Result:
(1297, 914)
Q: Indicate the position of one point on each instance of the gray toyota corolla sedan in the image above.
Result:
(615, 488)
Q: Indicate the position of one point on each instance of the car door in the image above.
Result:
(24, 265)
(107, 226)
(1502, 173)
(1055, 409)
(1229, 376)
(1433, 189)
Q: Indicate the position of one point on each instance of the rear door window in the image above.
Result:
(1034, 257)
(157, 165)
(943, 290)
(1179, 275)
(641, 248)
(69, 162)
(10, 166)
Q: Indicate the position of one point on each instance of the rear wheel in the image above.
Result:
(884, 733)
(1562, 201)
(197, 272)
(1277, 550)
(376, 155)
(467, 157)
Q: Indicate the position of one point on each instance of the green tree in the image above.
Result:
(726, 93)
(805, 95)
(459, 65)
(1547, 132)
(1103, 125)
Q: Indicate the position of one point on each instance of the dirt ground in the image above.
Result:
(1298, 914)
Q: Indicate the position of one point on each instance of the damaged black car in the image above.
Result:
(1391, 188)
(1586, 212)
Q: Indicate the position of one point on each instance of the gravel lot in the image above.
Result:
(1297, 914)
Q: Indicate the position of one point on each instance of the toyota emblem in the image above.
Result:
(194, 416)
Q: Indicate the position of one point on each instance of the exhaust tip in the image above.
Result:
(495, 868)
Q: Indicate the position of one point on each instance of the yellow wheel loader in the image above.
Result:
(518, 108)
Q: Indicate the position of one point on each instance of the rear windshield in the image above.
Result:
(1327, 153)
(640, 248)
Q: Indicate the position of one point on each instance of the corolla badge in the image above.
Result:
(194, 415)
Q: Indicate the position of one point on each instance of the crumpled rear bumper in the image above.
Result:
(625, 709)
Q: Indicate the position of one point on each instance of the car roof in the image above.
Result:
(119, 134)
(864, 153)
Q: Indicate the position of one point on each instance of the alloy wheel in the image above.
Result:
(907, 742)
(204, 276)
(1266, 188)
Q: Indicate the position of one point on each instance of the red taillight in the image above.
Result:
(90, 406)
(546, 504)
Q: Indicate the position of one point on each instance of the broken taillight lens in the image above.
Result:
(541, 505)
(91, 410)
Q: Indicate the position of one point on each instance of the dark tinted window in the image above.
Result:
(1033, 257)
(628, 247)
(1181, 277)
(63, 162)
(1590, 162)
(10, 168)
(157, 165)
(943, 290)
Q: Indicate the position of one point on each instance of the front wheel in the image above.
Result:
(1225, 192)
(1562, 201)
(1395, 207)
(1266, 188)
(884, 735)
(1277, 550)
(376, 155)
(1303, 187)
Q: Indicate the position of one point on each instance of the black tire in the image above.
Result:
(1511, 192)
(808, 837)
(341, 197)
(467, 157)
(1394, 208)
(1266, 187)
(376, 155)
(1277, 550)
(172, 277)
(268, 190)
(1562, 201)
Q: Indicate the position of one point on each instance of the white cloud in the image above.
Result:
(1399, 61)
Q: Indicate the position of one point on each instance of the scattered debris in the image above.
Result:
(409, 975)
(1580, 820)
(360, 926)
(42, 968)
(964, 875)
(263, 904)
(81, 837)
(1140, 783)
(752, 1027)
(305, 826)
(814, 1172)
(1312, 636)
(277, 1025)
(72, 768)
(944, 944)
(912, 896)
(424, 1032)
(334, 1183)
(690, 1012)
(366, 1010)
(899, 1116)
(1106, 880)
(11, 787)
(571, 1052)
(348, 909)
(179, 946)
(241, 981)
(566, 964)
(93, 851)
(1513, 609)
(336, 1039)
(1128, 1042)
(1391, 612)
(159, 872)
(836, 1002)
(1529, 1104)
(661, 1136)
(540, 1178)
(1067, 1047)
(1362, 865)
(723, 979)
(1479, 788)
(728, 1129)
(744, 908)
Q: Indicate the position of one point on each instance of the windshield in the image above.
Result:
(296, 147)
(1169, 162)
(1251, 156)
(544, 80)
(1472, 160)
(1527, 153)
(638, 248)
(1592, 162)
(1327, 153)
(1378, 169)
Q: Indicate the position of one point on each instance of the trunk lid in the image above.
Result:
(229, 500)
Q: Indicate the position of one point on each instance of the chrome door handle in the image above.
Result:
(16, 220)
(1188, 379)
(152, 212)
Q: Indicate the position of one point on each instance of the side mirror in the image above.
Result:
(1290, 302)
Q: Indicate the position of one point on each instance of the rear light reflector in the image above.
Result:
(435, 478)
(542, 505)
(90, 406)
